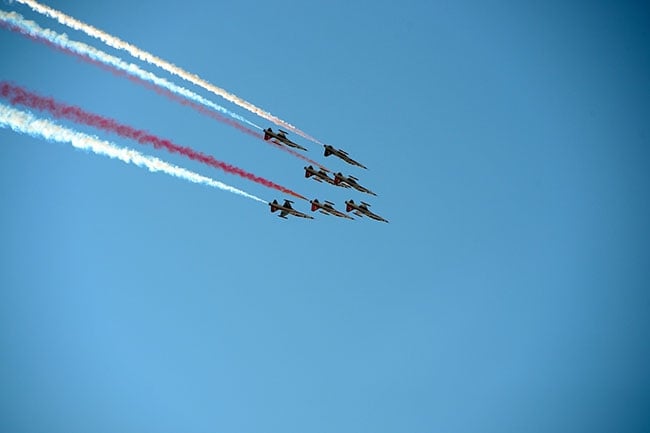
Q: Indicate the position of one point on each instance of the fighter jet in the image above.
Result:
(327, 207)
(321, 175)
(286, 209)
(339, 179)
(361, 210)
(329, 150)
(280, 138)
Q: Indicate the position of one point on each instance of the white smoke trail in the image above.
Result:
(136, 52)
(26, 123)
(62, 41)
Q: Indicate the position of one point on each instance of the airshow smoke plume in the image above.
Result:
(140, 54)
(26, 123)
(20, 96)
(16, 23)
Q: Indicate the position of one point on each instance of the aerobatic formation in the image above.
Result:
(17, 105)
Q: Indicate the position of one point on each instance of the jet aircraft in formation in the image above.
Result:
(322, 175)
(280, 138)
(286, 209)
(330, 150)
(327, 207)
(341, 179)
(361, 210)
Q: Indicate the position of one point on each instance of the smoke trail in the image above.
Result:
(26, 123)
(136, 52)
(16, 23)
(20, 96)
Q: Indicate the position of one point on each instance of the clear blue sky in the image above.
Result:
(509, 146)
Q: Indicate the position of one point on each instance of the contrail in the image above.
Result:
(16, 23)
(136, 52)
(26, 123)
(19, 96)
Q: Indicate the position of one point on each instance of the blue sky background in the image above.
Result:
(508, 144)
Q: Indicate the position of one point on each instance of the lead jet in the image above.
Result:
(330, 150)
(327, 207)
(280, 138)
(321, 175)
(361, 210)
(286, 209)
(340, 179)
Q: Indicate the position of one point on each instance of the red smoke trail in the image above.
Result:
(19, 96)
(161, 91)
